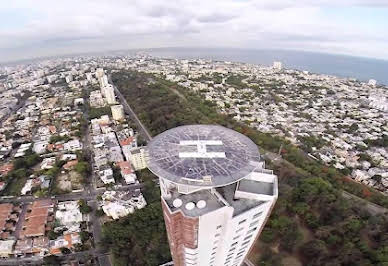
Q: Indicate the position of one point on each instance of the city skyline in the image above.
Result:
(33, 29)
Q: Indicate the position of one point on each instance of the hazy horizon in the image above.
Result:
(33, 29)
(135, 50)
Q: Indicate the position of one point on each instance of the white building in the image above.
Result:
(109, 94)
(69, 78)
(277, 65)
(138, 158)
(106, 176)
(40, 146)
(73, 145)
(6, 248)
(69, 215)
(127, 172)
(103, 80)
(99, 72)
(96, 99)
(372, 82)
(117, 112)
(47, 163)
(117, 210)
(216, 194)
(118, 204)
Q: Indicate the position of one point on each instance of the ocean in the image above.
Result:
(360, 68)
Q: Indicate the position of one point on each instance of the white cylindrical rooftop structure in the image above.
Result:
(190, 205)
(201, 204)
(177, 203)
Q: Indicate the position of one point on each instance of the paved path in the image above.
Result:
(38, 260)
(131, 113)
(19, 225)
(372, 208)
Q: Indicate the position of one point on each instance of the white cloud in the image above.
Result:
(81, 26)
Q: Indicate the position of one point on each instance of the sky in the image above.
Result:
(36, 28)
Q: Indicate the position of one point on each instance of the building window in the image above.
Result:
(239, 230)
(240, 252)
(219, 226)
(246, 242)
(252, 230)
(234, 238)
(253, 223)
(242, 221)
(248, 237)
(257, 215)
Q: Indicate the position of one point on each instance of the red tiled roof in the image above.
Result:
(70, 164)
(126, 141)
(5, 168)
(35, 223)
(125, 167)
(5, 212)
(52, 129)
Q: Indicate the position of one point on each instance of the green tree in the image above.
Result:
(84, 207)
(51, 260)
(314, 249)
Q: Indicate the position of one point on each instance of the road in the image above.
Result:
(87, 195)
(372, 208)
(143, 130)
(38, 260)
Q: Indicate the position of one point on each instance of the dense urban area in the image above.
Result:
(75, 188)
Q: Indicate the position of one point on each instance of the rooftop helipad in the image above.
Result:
(202, 155)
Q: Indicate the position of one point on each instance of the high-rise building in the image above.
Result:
(216, 194)
(109, 94)
(277, 65)
(372, 82)
(69, 78)
(103, 81)
(138, 157)
(99, 72)
(117, 112)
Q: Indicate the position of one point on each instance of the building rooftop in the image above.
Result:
(202, 155)
(256, 187)
(205, 195)
(239, 205)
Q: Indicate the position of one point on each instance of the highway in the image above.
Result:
(143, 130)
(39, 260)
(372, 208)
(87, 195)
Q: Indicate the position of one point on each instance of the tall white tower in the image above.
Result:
(117, 112)
(277, 65)
(216, 194)
(109, 94)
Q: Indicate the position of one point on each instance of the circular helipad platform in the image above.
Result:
(202, 155)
